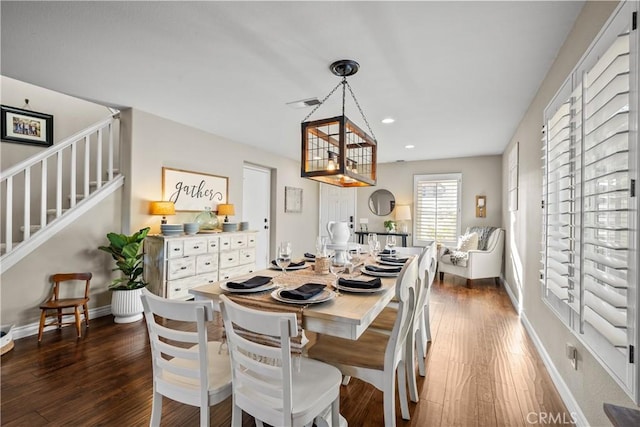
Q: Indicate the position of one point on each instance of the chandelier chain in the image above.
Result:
(322, 102)
(353, 95)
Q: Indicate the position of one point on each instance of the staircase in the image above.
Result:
(45, 193)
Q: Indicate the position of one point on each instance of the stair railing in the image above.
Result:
(89, 143)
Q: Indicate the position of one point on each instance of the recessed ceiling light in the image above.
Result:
(388, 120)
(410, 146)
(304, 103)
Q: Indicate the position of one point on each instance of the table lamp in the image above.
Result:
(403, 213)
(162, 208)
(226, 210)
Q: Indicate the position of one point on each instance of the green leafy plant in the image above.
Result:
(389, 224)
(126, 251)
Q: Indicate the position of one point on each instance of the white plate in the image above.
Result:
(377, 274)
(395, 264)
(262, 288)
(359, 290)
(309, 259)
(323, 296)
(275, 267)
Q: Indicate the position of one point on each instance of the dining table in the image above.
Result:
(345, 314)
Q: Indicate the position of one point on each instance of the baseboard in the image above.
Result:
(32, 328)
(512, 297)
(565, 393)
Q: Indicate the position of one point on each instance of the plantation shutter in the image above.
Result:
(437, 200)
(589, 252)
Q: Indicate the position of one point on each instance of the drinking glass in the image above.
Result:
(372, 240)
(391, 243)
(336, 267)
(374, 248)
(283, 256)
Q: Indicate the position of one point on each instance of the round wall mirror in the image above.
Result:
(382, 202)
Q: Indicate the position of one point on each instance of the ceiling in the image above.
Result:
(457, 76)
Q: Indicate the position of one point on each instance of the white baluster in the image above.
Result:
(110, 164)
(43, 193)
(99, 160)
(9, 216)
(73, 176)
(27, 203)
(59, 185)
(87, 160)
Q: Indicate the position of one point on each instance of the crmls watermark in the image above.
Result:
(551, 418)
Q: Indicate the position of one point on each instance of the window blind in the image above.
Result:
(437, 208)
(589, 256)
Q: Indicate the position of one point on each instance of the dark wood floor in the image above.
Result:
(482, 370)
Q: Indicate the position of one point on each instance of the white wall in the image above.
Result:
(157, 142)
(589, 384)
(480, 176)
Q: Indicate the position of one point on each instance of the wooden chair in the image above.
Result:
(378, 358)
(55, 307)
(267, 383)
(186, 366)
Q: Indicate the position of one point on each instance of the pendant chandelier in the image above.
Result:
(334, 150)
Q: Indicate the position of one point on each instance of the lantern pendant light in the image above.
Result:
(335, 150)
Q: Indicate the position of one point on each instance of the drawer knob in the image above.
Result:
(229, 259)
(183, 268)
(207, 263)
(176, 249)
(196, 247)
(239, 242)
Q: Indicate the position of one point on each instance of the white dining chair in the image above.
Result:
(375, 357)
(186, 366)
(267, 383)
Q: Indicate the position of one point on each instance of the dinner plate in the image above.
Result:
(262, 288)
(323, 296)
(275, 267)
(377, 274)
(395, 264)
(359, 290)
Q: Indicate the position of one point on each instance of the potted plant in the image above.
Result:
(126, 305)
(390, 226)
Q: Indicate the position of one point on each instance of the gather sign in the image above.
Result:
(193, 191)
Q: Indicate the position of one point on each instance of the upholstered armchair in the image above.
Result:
(478, 264)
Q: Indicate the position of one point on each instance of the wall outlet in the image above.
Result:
(572, 355)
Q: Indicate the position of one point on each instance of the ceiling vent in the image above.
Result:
(304, 103)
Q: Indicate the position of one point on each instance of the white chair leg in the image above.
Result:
(335, 412)
(402, 390)
(346, 379)
(421, 345)
(389, 400)
(204, 415)
(427, 325)
(410, 363)
(259, 423)
(156, 410)
(236, 416)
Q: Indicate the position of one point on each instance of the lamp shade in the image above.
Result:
(403, 213)
(226, 209)
(162, 208)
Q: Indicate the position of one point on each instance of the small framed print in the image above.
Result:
(26, 126)
(292, 199)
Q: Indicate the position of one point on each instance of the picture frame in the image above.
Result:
(26, 126)
(292, 200)
(193, 191)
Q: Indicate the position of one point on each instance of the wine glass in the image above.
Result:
(283, 256)
(336, 267)
(372, 240)
(391, 243)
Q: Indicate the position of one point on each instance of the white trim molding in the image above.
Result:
(32, 328)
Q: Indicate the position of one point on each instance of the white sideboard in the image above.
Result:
(173, 265)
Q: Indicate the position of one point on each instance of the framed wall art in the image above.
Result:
(26, 126)
(193, 191)
(292, 199)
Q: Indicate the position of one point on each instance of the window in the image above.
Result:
(437, 202)
(589, 257)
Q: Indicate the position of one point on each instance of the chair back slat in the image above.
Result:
(406, 296)
(255, 365)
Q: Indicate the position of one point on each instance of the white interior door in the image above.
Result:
(336, 204)
(256, 206)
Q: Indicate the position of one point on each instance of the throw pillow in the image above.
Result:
(468, 242)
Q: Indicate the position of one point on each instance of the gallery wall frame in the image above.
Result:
(26, 126)
(292, 200)
(193, 191)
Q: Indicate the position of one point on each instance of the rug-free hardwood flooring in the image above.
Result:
(482, 370)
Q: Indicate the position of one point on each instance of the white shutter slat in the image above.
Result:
(607, 278)
(605, 293)
(616, 336)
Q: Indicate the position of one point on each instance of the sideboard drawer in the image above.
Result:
(213, 244)
(247, 256)
(195, 247)
(175, 248)
(206, 263)
(251, 240)
(225, 243)
(229, 259)
(239, 241)
(181, 267)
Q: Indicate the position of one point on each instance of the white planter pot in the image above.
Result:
(126, 305)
